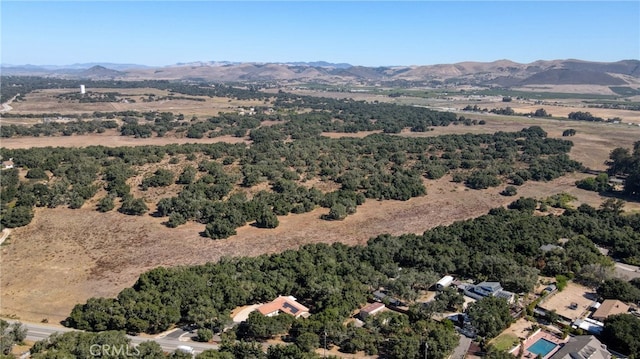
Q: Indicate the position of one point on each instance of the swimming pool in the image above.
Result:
(542, 347)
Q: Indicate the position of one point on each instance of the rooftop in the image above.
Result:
(373, 307)
(610, 307)
(582, 347)
(285, 305)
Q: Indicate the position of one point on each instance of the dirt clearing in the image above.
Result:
(109, 138)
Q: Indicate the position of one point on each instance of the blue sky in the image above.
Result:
(361, 33)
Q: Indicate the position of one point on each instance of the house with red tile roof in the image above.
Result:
(284, 304)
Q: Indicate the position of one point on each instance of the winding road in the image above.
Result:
(169, 342)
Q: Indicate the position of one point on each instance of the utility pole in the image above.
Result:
(325, 342)
(426, 348)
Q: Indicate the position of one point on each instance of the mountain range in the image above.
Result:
(503, 73)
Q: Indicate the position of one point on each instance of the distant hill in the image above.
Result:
(503, 73)
(321, 64)
(100, 72)
(572, 77)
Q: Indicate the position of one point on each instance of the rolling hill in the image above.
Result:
(497, 73)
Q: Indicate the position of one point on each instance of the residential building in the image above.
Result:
(284, 304)
(609, 307)
(380, 296)
(7, 164)
(582, 347)
(485, 289)
(371, 309)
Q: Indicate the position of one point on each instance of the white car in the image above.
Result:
(185, 348)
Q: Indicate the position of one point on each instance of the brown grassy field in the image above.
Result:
(67, 256)
(45, 101)
(77, 254)
(109, 138)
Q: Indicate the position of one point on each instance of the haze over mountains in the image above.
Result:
(497, 73)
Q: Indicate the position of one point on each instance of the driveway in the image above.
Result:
(461, 350)
(244, 313)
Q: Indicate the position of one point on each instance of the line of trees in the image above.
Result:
(625, 163)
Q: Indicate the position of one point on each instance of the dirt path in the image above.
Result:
(5, 234)
(6, 106)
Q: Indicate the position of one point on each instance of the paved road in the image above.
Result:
(461, 350)
(168, 343)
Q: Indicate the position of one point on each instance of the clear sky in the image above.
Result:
(361, 33)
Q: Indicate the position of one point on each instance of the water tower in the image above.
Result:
(82, 90)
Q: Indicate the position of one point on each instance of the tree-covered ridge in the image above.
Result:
(334, 280)
(326, 114)
(11, 86)
(218, 184)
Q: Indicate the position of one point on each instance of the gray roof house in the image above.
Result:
(582, 347)
(485, 289)
(380, 296)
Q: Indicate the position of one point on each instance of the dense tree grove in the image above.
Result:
(490, 316)
(334, 280)
(216, 180)
(10, 335)
(614, 288)
(600, 183)
(621, 333)
(584, 116)
(627, 165)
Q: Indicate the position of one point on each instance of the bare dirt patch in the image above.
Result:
(573, 293)
(360, 134)
(66, 256)
(109, 138)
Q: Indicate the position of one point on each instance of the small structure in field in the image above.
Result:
(7, 164)
(371, 309)
(444, 282)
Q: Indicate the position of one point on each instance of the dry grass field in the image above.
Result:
(66, 256)
(45, 101)
(109, 138)
(77, 254)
